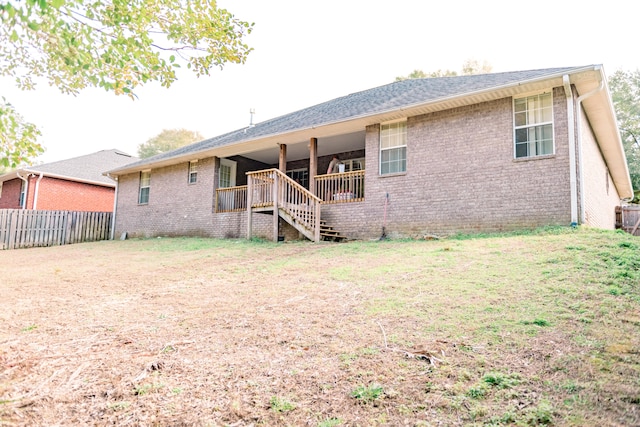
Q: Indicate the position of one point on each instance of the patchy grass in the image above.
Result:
(530, 328)
(367, 394)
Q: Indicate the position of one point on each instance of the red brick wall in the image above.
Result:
(60, 194)
(10, 197)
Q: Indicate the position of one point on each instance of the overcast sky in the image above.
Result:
(307, 52)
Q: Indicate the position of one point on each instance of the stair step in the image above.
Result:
(294, 217)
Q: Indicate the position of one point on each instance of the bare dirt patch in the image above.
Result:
(202, 332)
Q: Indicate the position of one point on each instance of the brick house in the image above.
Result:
(488, 152)
(75, 184)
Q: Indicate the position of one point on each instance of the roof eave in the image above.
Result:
(14, 175)
(602, 119)
(352, 123)
(584, 78)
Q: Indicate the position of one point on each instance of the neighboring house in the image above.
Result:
(492, 152)
(75, 184)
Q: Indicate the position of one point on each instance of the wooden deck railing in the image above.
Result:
(340, 187)
(231, 199)
(293, 202)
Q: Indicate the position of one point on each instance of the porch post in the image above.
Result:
(313, 164)
(249, 203)
(276, 214)
(216, 181)
(282, 161)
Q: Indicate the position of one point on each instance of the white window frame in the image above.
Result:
(145, 184)
(193, 172)
(349, 164)
(226, 163)
(302, 174)
(399, 141)
(534, 122)
(23, 194)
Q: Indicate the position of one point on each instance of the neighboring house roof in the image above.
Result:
(352, 113)
(87, 169)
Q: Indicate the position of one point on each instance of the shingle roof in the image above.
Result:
(89, 167)
(368, 102)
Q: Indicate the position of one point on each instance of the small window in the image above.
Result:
(193, 172)
(353, 164)
(393, 148)
(145, 183)
(301, 176)
(23, 193)
(533, 125)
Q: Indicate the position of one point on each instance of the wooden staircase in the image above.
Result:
(271, 191)
(327, 232)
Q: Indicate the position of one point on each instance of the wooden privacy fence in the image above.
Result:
(28, 228)
(628, 219)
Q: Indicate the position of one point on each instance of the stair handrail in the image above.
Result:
(292, 197)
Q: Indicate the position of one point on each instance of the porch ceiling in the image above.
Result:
(300, 150)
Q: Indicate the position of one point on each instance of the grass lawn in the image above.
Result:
(541, 328)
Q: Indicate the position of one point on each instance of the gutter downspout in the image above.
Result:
(35, 197)
(572, 149)
(579, 115)
(26, 189)
(115, 208)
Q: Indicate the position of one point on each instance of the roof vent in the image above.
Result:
(252, 111)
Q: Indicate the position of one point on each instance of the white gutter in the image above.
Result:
(572, 149)
(35, 197)
(581, 166)
(69, 178)
(26, 189)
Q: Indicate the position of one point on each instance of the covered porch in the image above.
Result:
(300, 179)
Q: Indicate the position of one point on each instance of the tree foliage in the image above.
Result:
(116, 45)
(473, 66)
(419, 74)
(167, 140)
(625, 93)
(18, 138)
(469, 67)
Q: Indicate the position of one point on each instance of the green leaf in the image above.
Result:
(119, 46)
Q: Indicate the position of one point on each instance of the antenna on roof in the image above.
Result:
(252, 111)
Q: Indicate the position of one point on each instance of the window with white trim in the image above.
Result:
(23, 193)
(193, 172)
(353, 164)
(227, 173)
(145, 184)
(393, 147)
(301, 176)
(533, 125)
